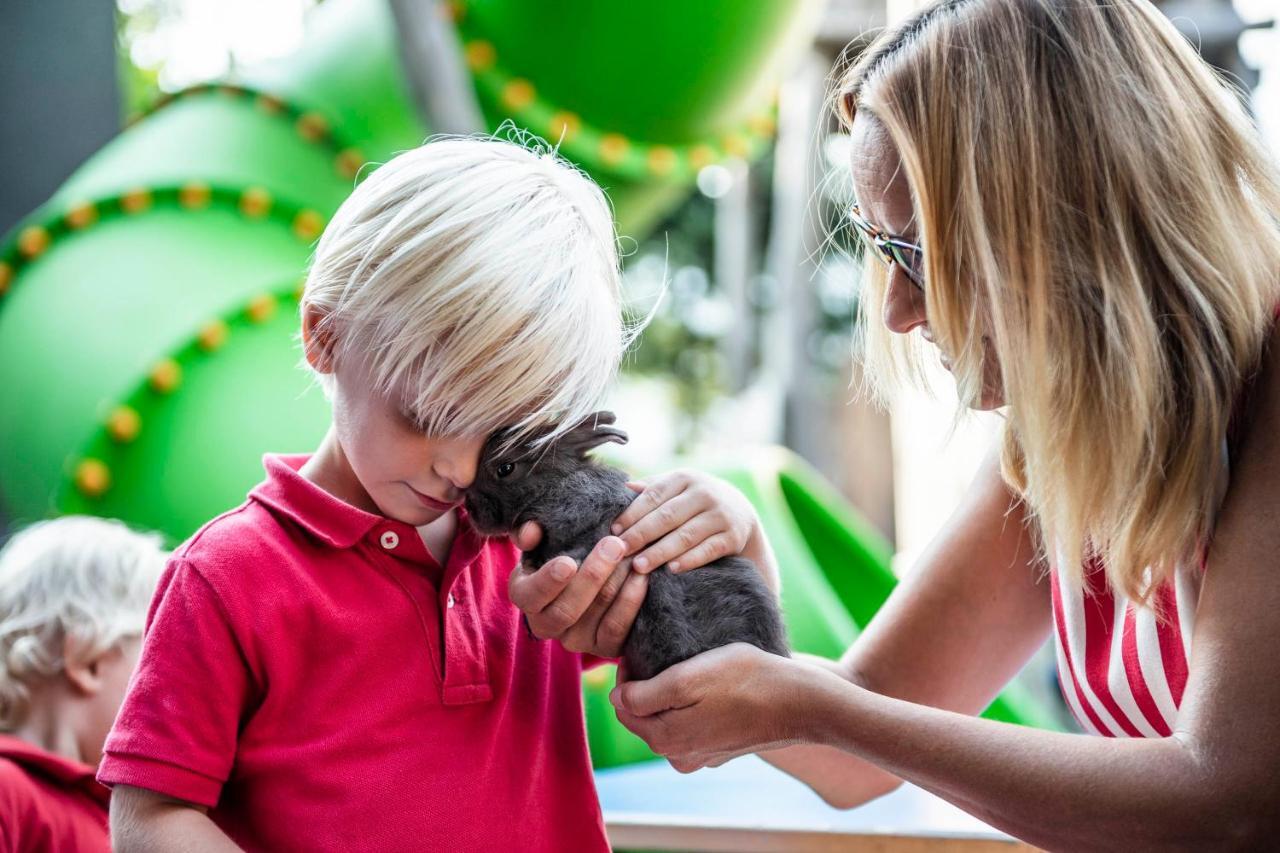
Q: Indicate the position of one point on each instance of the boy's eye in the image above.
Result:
(504, 470)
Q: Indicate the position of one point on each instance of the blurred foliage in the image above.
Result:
(139, 84)
(836, 284)
(686, 341)
(678, 256)
(139, 87)
(166, 45)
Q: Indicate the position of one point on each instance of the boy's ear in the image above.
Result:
(81, 668)
(594, 430)
(317, 339)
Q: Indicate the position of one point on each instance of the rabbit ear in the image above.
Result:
(592, 432)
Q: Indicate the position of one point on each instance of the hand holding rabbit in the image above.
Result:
(593, 607)
(724, 703)
(688, 519)
(588, 608)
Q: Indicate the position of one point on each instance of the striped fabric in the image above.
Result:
(1122, 668)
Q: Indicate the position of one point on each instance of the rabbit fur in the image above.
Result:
(575, 500)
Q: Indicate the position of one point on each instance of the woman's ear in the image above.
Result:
(317, 338)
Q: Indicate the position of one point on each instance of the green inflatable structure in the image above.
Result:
(148, 310)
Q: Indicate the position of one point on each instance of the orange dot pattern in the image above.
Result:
(255, 202)
(93, 478)
(212, 336)
(123, 424)
(165, 377)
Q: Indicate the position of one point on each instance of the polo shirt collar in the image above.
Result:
(328, 518)
(341, 525)
(64, 771)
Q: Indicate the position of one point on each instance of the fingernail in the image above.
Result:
(675, 567)
(616, 529)
(615, 697)
(640, 563)
(612, 549)
(561, 570)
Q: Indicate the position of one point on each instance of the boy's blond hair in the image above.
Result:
(479, 281)
(81, 578)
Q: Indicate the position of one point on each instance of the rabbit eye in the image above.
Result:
(504, 470)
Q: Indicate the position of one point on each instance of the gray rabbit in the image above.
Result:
(575, 500)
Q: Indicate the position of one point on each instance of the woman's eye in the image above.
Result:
(504, 470)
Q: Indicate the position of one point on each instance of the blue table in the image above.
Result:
(749, 805)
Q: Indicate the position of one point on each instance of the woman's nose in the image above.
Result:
(903, 303)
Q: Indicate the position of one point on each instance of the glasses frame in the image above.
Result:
(892, 250)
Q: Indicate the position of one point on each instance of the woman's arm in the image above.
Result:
(951, 635)
(143, 820)
(1213, 783)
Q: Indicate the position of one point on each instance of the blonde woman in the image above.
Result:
(1078, 219)
(73, 597)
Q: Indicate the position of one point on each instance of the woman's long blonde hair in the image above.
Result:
(1095, 202)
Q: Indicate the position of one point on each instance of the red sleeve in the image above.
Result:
(176, 731)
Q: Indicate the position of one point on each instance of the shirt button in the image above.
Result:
(449, 600)
(390, 540)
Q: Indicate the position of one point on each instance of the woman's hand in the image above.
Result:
(721, 704)
(588, 608)
(685, 519)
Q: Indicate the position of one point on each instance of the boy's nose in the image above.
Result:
(460, 461)
(903, 303)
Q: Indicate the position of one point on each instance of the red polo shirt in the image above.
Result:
(303, 677)
(48, 802)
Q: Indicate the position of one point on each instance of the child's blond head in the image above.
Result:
(77, 582)
(478, 280)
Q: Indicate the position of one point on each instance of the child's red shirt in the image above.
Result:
(311, 675)
(48, 802)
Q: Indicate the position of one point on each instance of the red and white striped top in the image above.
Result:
(1123, 669)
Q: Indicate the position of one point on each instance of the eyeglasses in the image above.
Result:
(908, 256)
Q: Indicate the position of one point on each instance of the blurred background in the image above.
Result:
(753, 340)
(167, 165)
